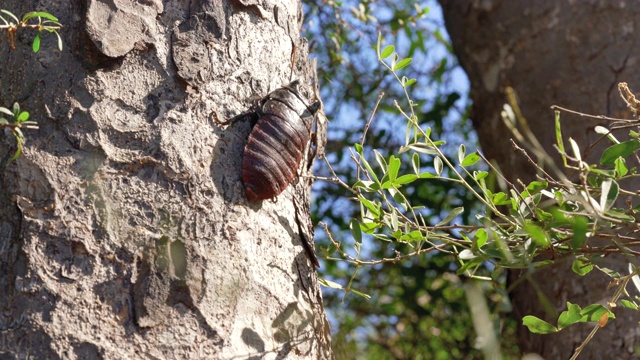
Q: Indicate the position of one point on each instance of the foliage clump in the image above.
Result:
(38, 21)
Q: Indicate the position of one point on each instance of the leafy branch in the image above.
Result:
(35, 20)
(525, 226)
(21, 121)
(45, 22)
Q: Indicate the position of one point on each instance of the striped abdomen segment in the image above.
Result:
(276, 143)
(271, 156)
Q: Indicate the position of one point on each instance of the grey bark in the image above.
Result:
(124, 231)
(571, 54)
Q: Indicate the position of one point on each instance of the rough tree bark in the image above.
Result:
(572, 54)
(124, 231)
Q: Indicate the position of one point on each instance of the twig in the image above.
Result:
(398, 257)
(599, 117)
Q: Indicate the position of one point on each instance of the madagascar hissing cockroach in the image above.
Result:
(277, 142)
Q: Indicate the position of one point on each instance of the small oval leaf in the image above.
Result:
(437, 164)
(41, 14)
(462, 151)
(470, 159)
(36, 43)
(538, 326)
(452, 215)
(415, 162)
(356, 232)
(24, 116)
(402, 64)
(410, 82)
(387, 51)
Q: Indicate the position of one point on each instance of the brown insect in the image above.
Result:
(277, 142)
(282, 126)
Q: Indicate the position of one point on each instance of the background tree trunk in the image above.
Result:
(563, 53)
(124, 230)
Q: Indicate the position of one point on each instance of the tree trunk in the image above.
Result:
(550, 52)
(124, 230)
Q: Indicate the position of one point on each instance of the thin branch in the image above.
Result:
(598, 117)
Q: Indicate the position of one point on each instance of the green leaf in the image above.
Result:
(36, 43)
(623, 149)
(387, 51)
(402, 64)
(609, 194)
(611, 273)
(396, 234)
(437, 164)
(620, 166)
(24, 116)
(375, 211)
(356, 232)
(413, 236)
(368, 186)
(500, 199)
(462, 150)
(329, 284)
(559, 139)
(41, 14)
(543, 263)
(581, 266)
(366, 296)
(480, 238)
(358, 148)
(538, 235)
(452, 215)
(18, 151)
(569, 317)
(538, 326)
(370, 171)
(629, 304)
(406, 179)
(426, 175)
(394, 166)
(394, 221)
(470, 264)
(479, 175)
(381, 160)
(536, 186)
(419, 148)
(619, 214)
(470, 159)
(409, 82)
(415, 162)
(369, 227)
(593, 313)
(543, 215)
(580, 228)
